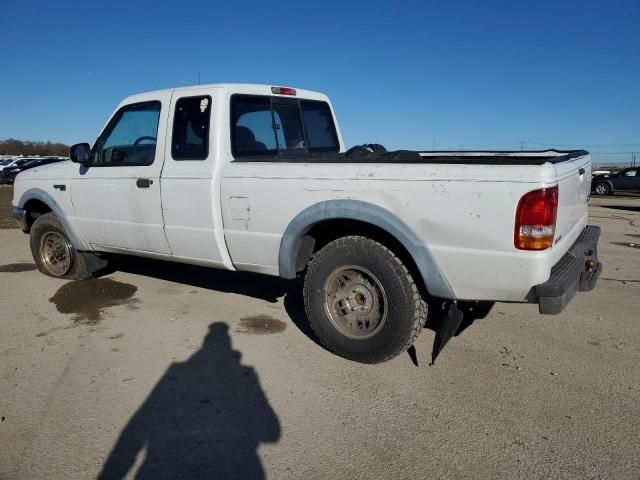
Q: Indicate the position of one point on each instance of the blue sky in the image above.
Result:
(456, 74)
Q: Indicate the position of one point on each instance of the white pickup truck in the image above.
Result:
(256, 178)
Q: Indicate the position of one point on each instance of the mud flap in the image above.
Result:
(446, 328)
(94, 263)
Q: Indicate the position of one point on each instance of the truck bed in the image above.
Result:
(430, 157)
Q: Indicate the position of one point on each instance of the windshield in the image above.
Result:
(5, 162)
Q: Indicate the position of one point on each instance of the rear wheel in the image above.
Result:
(53, 252)
(603, 188)
(361, 300)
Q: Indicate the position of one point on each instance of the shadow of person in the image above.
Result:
(205, 418)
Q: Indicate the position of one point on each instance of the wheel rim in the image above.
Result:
(601, 189)
(355, 302)
(55, 253)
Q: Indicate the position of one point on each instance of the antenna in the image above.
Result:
(198, 78)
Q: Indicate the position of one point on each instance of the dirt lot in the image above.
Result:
(5, 208)
(182, 372)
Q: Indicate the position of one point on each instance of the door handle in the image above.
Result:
(581, 171)
(144, 182)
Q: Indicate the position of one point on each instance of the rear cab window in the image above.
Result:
(280, 127)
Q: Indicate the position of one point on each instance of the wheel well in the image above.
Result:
(325, 232)
(34, 209)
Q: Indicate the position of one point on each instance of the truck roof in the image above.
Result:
(231, 88)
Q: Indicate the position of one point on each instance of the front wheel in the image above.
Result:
(53, 252)
(361, 300)
(603, 188)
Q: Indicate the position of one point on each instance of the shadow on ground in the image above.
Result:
(263, 287)
(627, 208)
(270, 288)
(205, 418)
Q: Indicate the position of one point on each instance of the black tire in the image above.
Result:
(602, 188)
(48, 225)
(401, 307)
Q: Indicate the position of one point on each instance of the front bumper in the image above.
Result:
(577, 271)
(20, 214)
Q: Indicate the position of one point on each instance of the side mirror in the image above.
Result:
(80, 153)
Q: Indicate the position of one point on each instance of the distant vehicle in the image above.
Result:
(627, 180)
(601, 172)
(8, 174)
(13, 162)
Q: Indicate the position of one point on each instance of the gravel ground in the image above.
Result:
(6, 193)
(165, 371)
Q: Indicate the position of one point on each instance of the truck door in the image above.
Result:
(191, 179)
(117, 200)
(628, 180)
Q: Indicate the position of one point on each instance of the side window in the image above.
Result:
(252, 126)
(130, 138)
(318, 123)
(191, 121)
(630, 173)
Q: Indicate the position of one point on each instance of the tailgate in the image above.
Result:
(574, 184)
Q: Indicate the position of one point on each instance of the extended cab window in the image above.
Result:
(318, 123)
(130, 138)
(275, 126)
(190, 140)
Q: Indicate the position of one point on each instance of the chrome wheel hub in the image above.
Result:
(355, 302)
(55, 253)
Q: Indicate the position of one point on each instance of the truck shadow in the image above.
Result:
(205, 418)
(263, 287)
(628, 208)
(255, 285)
(269, 288)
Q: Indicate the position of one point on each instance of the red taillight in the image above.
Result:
(283, 91)
(536, 219)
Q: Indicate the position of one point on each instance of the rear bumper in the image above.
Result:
(20, 215)
(577, 271)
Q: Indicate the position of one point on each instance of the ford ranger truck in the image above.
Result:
(256, 178)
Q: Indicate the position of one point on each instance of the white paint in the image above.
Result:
(232, 215)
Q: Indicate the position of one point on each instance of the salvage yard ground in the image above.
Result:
(173, 371)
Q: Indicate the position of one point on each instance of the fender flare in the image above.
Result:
(46, 198)
(293, 241)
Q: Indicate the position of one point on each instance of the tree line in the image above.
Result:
(12, 146)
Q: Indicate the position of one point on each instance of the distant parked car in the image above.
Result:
(627, 180)
(600, 172)
(8, 174)
(13, 162)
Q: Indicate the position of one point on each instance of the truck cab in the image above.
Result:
(151, 181)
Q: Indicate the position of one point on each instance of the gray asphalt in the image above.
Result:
(165, 371)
